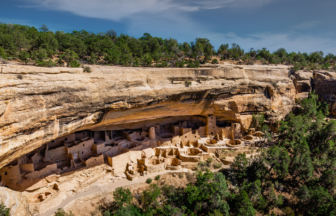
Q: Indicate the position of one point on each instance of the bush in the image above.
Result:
(4, 211)
(288, 211)
(2, 54)
(24, 56)
(217, 165)
(149, 180)
(209, 161)
(61, 212)
(87, 69)
(49, 63)
(214, 61)
(187, 83)
(20, 77)
(297, 67)
(157, 177)
(74, 64)
(181, 175)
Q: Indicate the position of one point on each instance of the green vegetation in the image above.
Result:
(157, 177)
(61, 212)
(295, 175)
(4, 211)
(87, 69)
(149, 180)
(30, 44)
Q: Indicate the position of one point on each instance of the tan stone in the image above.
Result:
(15, 201)
(56, 104)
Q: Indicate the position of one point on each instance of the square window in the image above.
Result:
(66, 139)
(5, 173)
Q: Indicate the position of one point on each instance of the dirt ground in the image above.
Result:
(88, 206)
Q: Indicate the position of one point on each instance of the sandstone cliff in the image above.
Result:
(51, 102)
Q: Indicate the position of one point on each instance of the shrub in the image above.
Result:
(24, 56)
(74, 64)
(4, 211)
(61, 212)
(87, 69)
(217, 165)
(326, 66)
(20, 77)
(209, 161)
(187, 83)
(181, 175)
(214, 61)
(149, 180)
(297, 67)
(288, 211)
(49, 63)
(3, 54)
(157, 177)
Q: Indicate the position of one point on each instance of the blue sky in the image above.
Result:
(296, 25)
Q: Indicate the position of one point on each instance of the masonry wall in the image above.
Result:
(26, 168)
(211, 125)
(236, 130)
(82, 135)
(56, 154)
(119, 162)
(202, 131)
(36, 159)
(10, 175)
(84, 149)
(177, 130)
(48, 170)
(94, 161)
(59, 141)
(111, 151)
(227, 132)
(185, 138)
(185, 130)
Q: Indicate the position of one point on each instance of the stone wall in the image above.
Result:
(48, 170)
(56, 154)
(94, 161)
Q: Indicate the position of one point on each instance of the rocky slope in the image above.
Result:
(17, 203)
(51, 102)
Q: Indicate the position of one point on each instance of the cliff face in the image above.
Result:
(51, 102)
(325, 86)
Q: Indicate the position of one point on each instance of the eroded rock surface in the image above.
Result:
(15, 201)
(49, 103)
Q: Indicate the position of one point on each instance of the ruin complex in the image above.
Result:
(134, 152)
(63, 131)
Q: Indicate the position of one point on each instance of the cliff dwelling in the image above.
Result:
(178, 143)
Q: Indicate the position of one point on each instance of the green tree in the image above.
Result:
(69, 56)
(149, 197)
(243, 205)
(24, 56)
(2, 53)
(44, 28)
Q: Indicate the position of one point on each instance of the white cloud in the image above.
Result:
(171, 18)
(120, 9)
(306, 25)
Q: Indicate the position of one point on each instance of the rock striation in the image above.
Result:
(46, 103)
